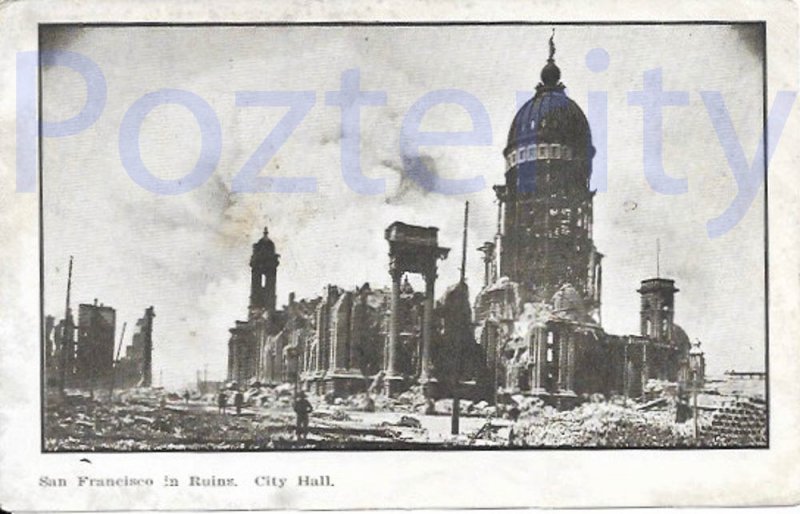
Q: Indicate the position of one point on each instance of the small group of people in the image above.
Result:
(301, 406)
(238, 402)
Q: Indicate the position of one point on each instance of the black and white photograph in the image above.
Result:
(403, 236)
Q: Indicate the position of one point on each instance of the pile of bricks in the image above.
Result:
(742, 421)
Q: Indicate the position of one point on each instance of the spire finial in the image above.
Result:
(266, 231)
(551, 75)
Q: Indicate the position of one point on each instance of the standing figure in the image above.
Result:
(238, 401)
(302, 408)
(222, 402)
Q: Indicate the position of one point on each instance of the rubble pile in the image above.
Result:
(533, 315)
(412, 400)
(599, 424)
(660, 389)
(371, 402)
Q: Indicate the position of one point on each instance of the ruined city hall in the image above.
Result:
(534, 327)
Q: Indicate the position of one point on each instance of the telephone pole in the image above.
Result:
(464, 243)
(66, 334)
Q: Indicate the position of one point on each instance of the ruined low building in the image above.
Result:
(61, 364)
(135, 367)
(336, 342)
(94, 358)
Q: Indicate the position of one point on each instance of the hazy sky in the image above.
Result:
(188, 254)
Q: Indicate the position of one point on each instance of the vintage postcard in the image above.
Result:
(352, 256)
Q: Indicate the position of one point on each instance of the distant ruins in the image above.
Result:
(83, 356)
(135, 368)
(537, 319)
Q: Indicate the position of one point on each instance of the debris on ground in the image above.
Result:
(154, 419)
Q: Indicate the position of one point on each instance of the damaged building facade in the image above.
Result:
(344, 340)
(537, 319)
(539, 313)
(135, 367)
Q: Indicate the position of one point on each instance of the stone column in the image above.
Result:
(541, 341)
(645, 366)
(572, 346)
(427, 326)
(394, 322)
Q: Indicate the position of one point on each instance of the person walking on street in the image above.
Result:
(238, 401)
(302, 408)
(222, 402)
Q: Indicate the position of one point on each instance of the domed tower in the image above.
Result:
(263, 271)
(546, 202)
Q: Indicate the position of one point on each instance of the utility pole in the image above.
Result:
(464, 243)
(66, 334)
(114, 364)
(455, 419)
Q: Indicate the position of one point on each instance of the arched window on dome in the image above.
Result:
(532, 153)
(566, 152)
(555, 151)
(513, 157)
(522, 155)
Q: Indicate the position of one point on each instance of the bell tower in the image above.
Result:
(658, 308)
(263, 271)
